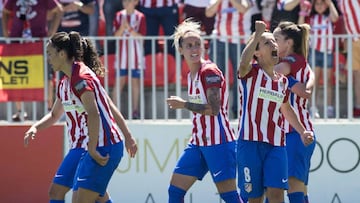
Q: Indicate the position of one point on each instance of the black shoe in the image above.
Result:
(17, 117)
(135, 115)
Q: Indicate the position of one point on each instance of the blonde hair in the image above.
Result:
(188, 25)
(299, 33)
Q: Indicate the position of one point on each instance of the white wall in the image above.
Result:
(335, 164)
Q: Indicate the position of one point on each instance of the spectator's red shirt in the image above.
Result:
(31, 10)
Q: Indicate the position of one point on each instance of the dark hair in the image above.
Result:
(79, 49)
(299, 34)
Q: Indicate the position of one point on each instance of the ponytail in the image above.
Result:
(78, 49)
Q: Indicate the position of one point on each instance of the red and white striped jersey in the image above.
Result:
(351, 13)
(260, 100)
(131, 54)
(158, 3)
(69, 92)
(209, 130)
(229, 22)
(301, 71)
(321, 29)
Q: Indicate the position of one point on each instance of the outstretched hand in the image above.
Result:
(29, 134)
(175, 102)
(131, 146)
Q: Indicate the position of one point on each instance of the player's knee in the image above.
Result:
(57, 193)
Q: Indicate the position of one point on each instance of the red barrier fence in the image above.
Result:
(26, 173)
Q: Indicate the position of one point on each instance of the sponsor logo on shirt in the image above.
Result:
(195, 99)
(70, 105)
(271, 95)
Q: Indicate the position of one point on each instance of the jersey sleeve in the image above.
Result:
(286, 89)
(295, 62)
(253, 72)
(211, 77)
(81, 82)
(117, 21)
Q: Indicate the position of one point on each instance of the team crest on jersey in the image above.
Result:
(212, 79)
(248, 187)
(80, 85)
(196, 83)
(282, 85)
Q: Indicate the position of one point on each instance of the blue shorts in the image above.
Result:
(66, 172)
(319, 59)
(135, 73)
(219, 159)
(299, 156)
(92, 176)
(260, 165)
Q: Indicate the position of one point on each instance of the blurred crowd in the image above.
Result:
(227, 23)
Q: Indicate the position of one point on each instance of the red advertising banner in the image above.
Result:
(26, 173)
(22, 72)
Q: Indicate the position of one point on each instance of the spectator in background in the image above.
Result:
(284, 10)
(76, 16)
(351, 14)
(130, 22)
(94, 23)
(229, 25)
(30, 19)
(196, 10)
(322, 17)
(253, 14)
(266, 7)
(1, 8)
(158, 13)
(110, 7)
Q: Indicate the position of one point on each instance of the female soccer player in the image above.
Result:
(92, 119)
(212, 145)
(264, 94)
(292, 40)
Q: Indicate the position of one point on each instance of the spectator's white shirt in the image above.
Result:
(1, 7)
(350, 9)
(198, 3)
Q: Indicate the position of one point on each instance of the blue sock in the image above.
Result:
(296, 197)
(306, 199)
(176, 195)
(231, 197)
(57, 201)
(109, 201)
